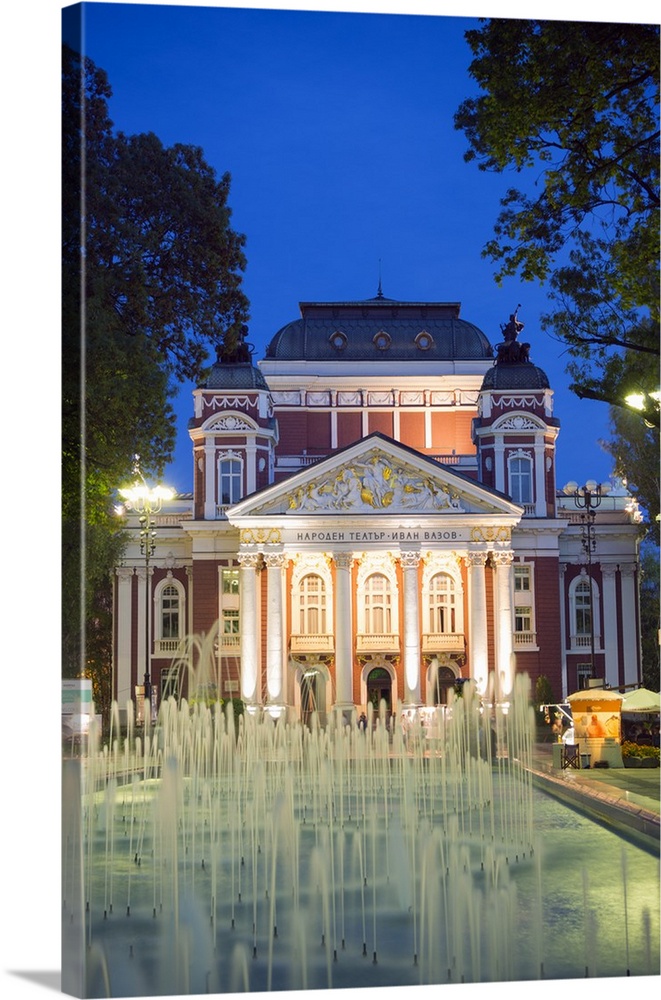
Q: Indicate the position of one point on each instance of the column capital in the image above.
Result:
(249, 560)
(276, 559)
(343, 560)
(124, 572)
(608, 570)
(475, 559)
(410, 560)
(502, 558)
(627, 569)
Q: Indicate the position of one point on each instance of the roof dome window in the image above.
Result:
(424, 340)
(382, 340)
(338, 340)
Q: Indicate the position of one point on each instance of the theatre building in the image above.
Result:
(375, 515)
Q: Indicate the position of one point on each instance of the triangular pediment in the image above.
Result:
(374, 476)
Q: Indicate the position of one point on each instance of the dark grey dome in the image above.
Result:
(523, 375)
(379, 329)
(234, 375)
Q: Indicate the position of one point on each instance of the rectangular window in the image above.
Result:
(583, 675)
(230, 622)
(230, 481)
(231, 581)
(522, 618)
(522, 579)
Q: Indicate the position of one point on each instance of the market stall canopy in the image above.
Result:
(594, 697)
(641, 700)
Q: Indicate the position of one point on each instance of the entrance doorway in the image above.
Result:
(443, 681)
(379, 688)
(313, 696)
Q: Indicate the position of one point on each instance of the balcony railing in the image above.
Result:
(436, 642)
(313, 643)
(384, 642)
(585, 641)
(166, 646)
(230, 643)
(524, 639)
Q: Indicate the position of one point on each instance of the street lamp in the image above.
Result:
(146, 502)
(647, 404)
(587, 498)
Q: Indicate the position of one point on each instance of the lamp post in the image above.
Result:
(587, 498)
(146, 502)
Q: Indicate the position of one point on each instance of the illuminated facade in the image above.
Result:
(374, 516)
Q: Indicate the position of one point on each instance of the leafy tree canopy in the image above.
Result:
(151, 279)
(576, 106)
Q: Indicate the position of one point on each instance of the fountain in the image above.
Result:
(202, 856)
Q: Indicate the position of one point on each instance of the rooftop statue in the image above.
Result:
(511, 352)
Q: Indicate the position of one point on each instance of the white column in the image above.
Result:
(499, 462)
(123, 691)
(630, 645)
(142, 622)
(275, 632)
(609, 607)
(477, 620)
(410, 561)
(209, 480)
(562, 567)
(251, 466)
(428, 423)
(188, 624)
(333, 429)
(250, 686)
(503, 618)
(365, 417)
(343, 630)
(540, 479)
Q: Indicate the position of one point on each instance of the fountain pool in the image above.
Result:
(204, 860)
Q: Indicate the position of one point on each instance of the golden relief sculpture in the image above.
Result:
(491, 533)
(377, 484)
(260, 536)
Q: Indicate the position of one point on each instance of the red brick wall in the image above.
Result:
(319, 431)
(293, 432)
(452, 431)
(412, 429)
(348, 428)
(381, 422)
(547, 622)
(205, 589)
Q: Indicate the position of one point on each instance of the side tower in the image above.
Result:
(234, 434)
(515, 431)
(515, 435)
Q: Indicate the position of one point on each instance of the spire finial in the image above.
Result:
(379, 294)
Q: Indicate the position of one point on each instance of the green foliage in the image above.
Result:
(635, 450)
(578, 105)
(543, 694)
(650, 615)
(151, 275)
(639, 750)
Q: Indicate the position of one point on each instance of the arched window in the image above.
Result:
(442, 604)
(520, 477)
(170, 613)
(584, 612)
(377, 604)
(582, 608)
(312, 605)
(230, 481)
